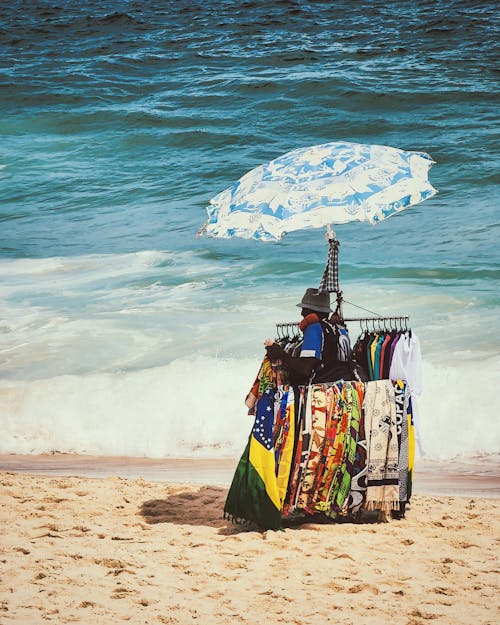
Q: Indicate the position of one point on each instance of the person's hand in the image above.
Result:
(274, 351)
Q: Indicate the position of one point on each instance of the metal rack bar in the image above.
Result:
(396, 318)
(399, 319)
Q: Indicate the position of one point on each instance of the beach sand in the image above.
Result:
(100, 548)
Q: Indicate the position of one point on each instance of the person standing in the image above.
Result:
(322, 356)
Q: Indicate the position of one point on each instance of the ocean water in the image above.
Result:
(123, 334)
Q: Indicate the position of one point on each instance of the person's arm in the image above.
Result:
(301, 366)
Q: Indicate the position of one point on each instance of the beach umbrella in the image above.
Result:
(331, 183)
(310, 187)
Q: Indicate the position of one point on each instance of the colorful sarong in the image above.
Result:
(352, 409)
(254, 494)
(284, 432)
(332, 448)
(401, 399)
(317, 406)
(382, 492)
(359, 470)
(301, 443)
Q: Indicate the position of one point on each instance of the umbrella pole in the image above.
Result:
(338, 315)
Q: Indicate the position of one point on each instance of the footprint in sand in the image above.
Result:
(441, 590)
(120, 592)
(112, 563)
(425, 615)
(116, 572)
(87, 604)
(364, 587)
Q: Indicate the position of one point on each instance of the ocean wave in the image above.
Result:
(194, 407)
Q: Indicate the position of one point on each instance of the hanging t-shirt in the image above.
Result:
(376, 362)
(407, 365)
(406, 362)
(383, 358)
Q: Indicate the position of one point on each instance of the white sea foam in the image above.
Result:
(194, 407)
(152, 353)
(191, 407)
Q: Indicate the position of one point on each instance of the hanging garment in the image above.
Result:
(407, 362)
(318, 421)
(266, 378)
(319, 499)
(333, 448)
(303, 435)
(357, 492)
(384, 357)
(407, 365)
(401, 398)
(339, 493)
(330, 279)
(254, 494)
(411, 446)
(284, 435)
(382, 492)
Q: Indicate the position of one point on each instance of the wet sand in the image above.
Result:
(432, 478)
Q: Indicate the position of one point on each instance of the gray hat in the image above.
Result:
(315, 301)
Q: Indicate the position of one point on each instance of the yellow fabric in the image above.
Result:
(411, 444)
(262, 460)
(286, 459)
(373, 349)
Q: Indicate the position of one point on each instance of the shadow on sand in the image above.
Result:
(206, 505)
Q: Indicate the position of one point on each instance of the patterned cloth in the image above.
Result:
(318, 421)
(301, 450)
(352, 408)
(401, 398)
(330, 280)
(254, 493)
(284, 434)
(266, 378)
(357, 493)
(333, 448)
(382, 492)
(318, 185)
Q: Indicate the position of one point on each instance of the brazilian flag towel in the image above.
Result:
(254, 494)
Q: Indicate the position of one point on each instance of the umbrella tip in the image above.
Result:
(330, 234)
(201, 231)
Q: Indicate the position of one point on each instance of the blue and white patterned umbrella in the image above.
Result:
(310, 187)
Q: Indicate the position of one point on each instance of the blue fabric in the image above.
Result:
(376, 364)
(313, 341)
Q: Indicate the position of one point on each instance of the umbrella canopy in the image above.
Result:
(318, 185)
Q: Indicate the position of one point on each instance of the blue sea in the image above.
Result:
(123, 334)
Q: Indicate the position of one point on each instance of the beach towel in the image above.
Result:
(265, 378)
(317, 407)
(401, 399)
(317, 498)
(382, 492)
(357, 491)
(299, 455)
(284, 433)
(352, 410)
(254, 494)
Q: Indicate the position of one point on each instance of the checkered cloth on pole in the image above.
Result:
(330, 280)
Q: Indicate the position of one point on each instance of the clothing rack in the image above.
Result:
(330, 284)
(367, 324)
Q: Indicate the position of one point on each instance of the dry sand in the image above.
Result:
(102, 550)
